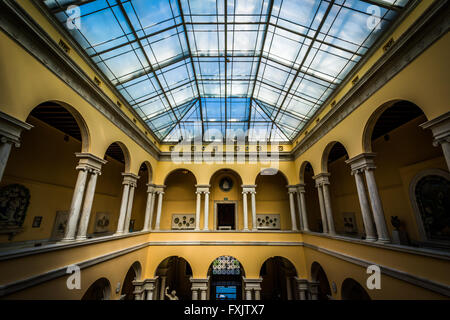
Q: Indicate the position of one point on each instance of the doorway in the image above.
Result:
(226, 216)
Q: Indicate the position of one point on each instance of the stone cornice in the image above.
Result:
(429, 28)
(11, 128)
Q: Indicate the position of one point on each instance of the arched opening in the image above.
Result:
(179, 201)
(272, 202)
(226, 201)
(134, 273)
(352, 290)
(42, 174)
(429, 192)
(99, 290)
(344, 199)
(312, 200)
(278, 282)
(403, 149)
(226, 279)
(173, 275)
(106, 205)
(140, 198)
(319, 275)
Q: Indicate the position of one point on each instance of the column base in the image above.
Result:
(371, 239)
(67, 240)
(81, 238)
(384, 241)
(246, 229)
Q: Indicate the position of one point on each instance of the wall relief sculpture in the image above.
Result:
(14, 201)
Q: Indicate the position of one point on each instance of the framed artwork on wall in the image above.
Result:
(59, 227)
(349, 221)
(101, 222)
(37, 221)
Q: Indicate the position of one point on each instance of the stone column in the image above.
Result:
(75, 206)
(197, 210)
(245, 207)
(321, 205)
(364, 203)
(87, 206)
(301, 191)
(291, 191)
(253, 195)
(288, 288)
(139, 291)
(327, 203)
(206, 222)
(10, 130)
(87, 163)
(133, 184)
(314, 290)
(377, 207)
(160, 192)
(299, 207)
(440, 127)
(302, 288)
(149, 288)
(252, 288)
(149, 208)
(162, 289)
(123, 208)
(199, 288)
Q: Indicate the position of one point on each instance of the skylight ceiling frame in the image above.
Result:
(330, 5)
(286, 93)
(130, 25)
(180, 7)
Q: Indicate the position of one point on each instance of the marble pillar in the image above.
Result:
(292, 190)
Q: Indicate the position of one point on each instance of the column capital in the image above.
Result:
(150, 188)
(89, 162)
(130, 179)
(302, 284)
(248, 188)
(11, 128)
(361, 162)
(150, 284)
(199, 283)
(202, 188)
(252, 283)
(301, 188)
(322, 178)
(440, 127)
(292, 188)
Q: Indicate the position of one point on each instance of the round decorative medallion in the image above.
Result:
(225, 184)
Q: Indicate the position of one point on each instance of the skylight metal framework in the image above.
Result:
(220, 68)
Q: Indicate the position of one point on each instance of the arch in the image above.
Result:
(219, 257)
(125, 151)
(413, 198)
(179, 169)
(98, 290)
(226, 274)
(165, 261)
(271, 172)
(278, 279)
(148, 165)
(133, 273)
(318, 275)
(302, 170)
(326, 154)
(174, 274)
(81, 123)
(375, 116)
(352, 290)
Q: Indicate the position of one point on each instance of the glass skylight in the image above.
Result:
(226, 68)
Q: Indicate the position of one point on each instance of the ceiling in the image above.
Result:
(235, 69)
